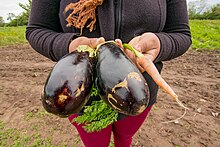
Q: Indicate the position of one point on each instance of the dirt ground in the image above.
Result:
(195, 77)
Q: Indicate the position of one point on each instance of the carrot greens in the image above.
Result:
(96, 116)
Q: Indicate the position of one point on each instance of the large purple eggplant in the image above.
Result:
(69, 83)
(121, 84)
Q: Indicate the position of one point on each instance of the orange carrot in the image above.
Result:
(145, 62)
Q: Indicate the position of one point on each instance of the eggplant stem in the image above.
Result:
(86, 48)
(137, 53)
(99, 45)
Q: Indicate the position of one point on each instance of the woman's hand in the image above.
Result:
(92, 42)
(148, 44)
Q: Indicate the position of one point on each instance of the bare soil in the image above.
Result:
(195, 77)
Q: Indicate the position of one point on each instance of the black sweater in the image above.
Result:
(47, 32)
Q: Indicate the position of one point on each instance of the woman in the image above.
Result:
(156, 28)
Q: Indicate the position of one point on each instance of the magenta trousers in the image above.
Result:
(123, 131)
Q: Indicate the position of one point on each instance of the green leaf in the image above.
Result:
(97, 116)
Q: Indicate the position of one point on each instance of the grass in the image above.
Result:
(205, 34)
(16, 138)
(12, 35)
(39, 114)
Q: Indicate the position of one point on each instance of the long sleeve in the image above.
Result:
(44, 31)
(175, 38)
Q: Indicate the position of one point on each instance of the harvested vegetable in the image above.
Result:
(69, 83)
(121, 84)
(145, 62)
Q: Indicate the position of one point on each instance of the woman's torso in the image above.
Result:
(122, 19)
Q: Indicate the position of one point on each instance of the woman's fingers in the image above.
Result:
(92, 42)
(148, 43)
(119, 43)
(135, 41)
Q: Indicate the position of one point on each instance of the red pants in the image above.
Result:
(123, 131)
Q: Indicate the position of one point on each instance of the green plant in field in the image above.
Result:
(205, 34)
(155, 108)
(38, 114)
(35, 127)
(76, 140)
(11, 137)
(12, 35)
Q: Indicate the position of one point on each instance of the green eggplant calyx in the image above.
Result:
(99, 45)
(86, 48)
(137, 53)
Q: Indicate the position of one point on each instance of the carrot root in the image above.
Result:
(150, 68)
(146, 63)
(175, 120)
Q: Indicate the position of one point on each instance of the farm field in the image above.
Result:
(205, 34)
(195, 77)
(12, 35)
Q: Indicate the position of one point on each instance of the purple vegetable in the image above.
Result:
(121, 84)
(69, 83)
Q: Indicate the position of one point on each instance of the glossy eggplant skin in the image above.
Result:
(68, 85)
(121, 84)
